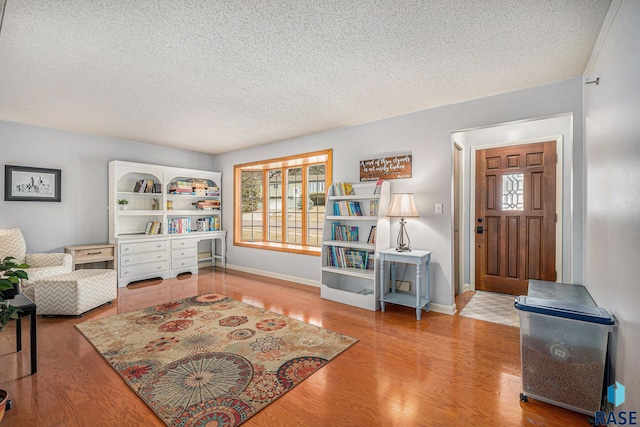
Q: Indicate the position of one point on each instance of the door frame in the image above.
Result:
(457, 146)
(559, 198)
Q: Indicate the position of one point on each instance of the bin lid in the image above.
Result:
(567, 310)
(560, 291)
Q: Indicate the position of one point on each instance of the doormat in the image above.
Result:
(492, 307)
(209, 359)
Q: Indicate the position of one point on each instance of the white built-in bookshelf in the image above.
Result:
(355, 230)
(169, 211)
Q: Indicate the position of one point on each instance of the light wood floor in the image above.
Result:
(440, 371)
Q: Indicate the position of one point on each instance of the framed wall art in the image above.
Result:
(396, 167)
(28, 184)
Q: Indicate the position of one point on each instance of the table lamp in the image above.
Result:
(403, 206)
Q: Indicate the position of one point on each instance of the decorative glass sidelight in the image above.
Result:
(513, 192)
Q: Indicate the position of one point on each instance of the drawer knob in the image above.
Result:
(126, 249)
(159, 267)
(127, 272)
(126, 260)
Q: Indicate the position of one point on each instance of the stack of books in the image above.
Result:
(207, 205)
(181, 187)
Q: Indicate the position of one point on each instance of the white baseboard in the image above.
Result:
(275, 275)
(438, 308)
(441, 308)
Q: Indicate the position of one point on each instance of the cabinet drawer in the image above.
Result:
(184, 253)
(91, 255)
(133, 248)
(127, 260)
(151, 267)
(183, 263)
(183, 243)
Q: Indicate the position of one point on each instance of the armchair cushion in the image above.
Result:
(12, 244)
(40, 265)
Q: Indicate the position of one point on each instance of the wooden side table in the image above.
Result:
(84, 255)
(421, 260)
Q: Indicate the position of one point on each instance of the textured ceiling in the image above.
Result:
(219, 75)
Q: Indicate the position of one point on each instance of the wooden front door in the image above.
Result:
(515, 221)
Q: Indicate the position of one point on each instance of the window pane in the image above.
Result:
(294, 205)
(513, 192)
(252, 206)
(316, 189)
(281, 201)
(275, 206)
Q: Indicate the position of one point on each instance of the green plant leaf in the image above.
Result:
(21, 274)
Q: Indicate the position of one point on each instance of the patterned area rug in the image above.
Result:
(209, 359)
(492, 307)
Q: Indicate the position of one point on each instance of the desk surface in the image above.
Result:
(22, 302)
(412, 254)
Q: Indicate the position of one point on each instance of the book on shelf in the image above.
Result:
(198, 183)
(373, 207)
(207, 205)
(208, 224)
(153, 227)
(347, 208)
(147, 186)
(343, 189)
(341, 257)
(378, 187)
(181, 187)
(179, 225)
(372, 235)
(343, 232)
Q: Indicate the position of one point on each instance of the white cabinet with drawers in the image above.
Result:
(138, 260)
(184, 256)
(168, 211)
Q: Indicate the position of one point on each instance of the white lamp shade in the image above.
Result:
(403, 206)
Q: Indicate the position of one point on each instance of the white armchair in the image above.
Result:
(40, 265)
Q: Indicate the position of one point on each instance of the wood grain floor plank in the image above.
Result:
(440, 371)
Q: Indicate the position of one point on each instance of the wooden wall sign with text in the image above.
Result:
(397, 167)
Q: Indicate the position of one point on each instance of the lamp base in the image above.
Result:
(401, 245)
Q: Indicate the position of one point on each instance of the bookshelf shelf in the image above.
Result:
(352, 218)
(192, 212)
(135, 193)
(139, 212)
(352, 244)
(160, 225)
(341, 281)
(350, 271)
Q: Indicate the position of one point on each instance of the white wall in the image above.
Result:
(82, 216)
(425, 134)
(612, 211)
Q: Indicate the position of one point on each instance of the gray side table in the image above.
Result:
(418, 258)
